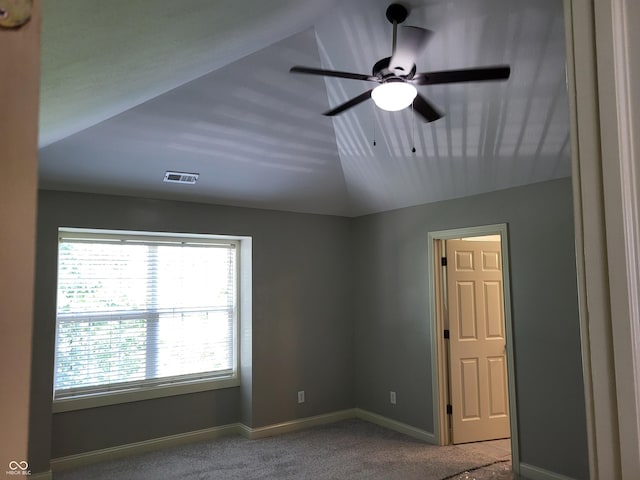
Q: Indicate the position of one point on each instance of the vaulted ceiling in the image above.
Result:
(133, 88)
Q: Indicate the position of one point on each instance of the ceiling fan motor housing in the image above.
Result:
(381, 70)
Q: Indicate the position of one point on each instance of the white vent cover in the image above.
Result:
(181, 177)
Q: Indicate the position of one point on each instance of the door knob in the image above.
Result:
(15, 13)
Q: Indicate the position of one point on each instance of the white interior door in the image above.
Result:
(477, 341)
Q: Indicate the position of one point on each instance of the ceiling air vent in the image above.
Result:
(181, 177)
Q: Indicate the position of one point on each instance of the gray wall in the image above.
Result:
(341, 310)
(392, 315)
(302, 331)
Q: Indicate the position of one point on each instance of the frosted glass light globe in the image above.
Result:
(394, 96)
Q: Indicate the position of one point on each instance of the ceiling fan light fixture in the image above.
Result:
(394, 96)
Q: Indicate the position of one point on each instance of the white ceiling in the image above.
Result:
(132, 88)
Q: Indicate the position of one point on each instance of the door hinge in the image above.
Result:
(449, 409)
(446, 334)
(443, 261)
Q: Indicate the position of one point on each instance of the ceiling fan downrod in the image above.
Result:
(396, 14)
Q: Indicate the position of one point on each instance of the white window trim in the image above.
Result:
(171, 388)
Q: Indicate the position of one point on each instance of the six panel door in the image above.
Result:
(477, 345)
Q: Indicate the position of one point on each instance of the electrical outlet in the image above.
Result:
(301, 396)
(392, 398)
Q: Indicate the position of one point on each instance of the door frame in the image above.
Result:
(439, 370)
(601, 48)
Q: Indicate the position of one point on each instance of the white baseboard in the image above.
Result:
(73, 461)
(396, 426)
(41, 476)
(295, 425)
(535, 473)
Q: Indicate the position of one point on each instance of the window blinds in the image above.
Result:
(136, 311)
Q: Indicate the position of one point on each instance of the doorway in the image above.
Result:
(474, 400)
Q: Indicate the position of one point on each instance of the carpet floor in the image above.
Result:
(350, 449)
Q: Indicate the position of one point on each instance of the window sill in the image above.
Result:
(148, 393)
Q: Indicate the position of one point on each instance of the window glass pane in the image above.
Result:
(101, 277)
(194, 276)
(204, 340)
(91, 353)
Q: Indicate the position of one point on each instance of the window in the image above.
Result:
(142, 312)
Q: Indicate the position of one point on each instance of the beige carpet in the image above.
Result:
(350, 449)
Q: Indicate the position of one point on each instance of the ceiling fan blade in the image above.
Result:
(410, 42)
(351, 103)
(332, 73)
(426, 109)
(498, 72)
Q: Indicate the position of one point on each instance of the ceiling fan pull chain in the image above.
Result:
(374, 127)
(413, 131)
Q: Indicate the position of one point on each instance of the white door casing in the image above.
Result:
(439, 345)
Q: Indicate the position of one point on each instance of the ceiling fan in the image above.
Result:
(397, 75)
